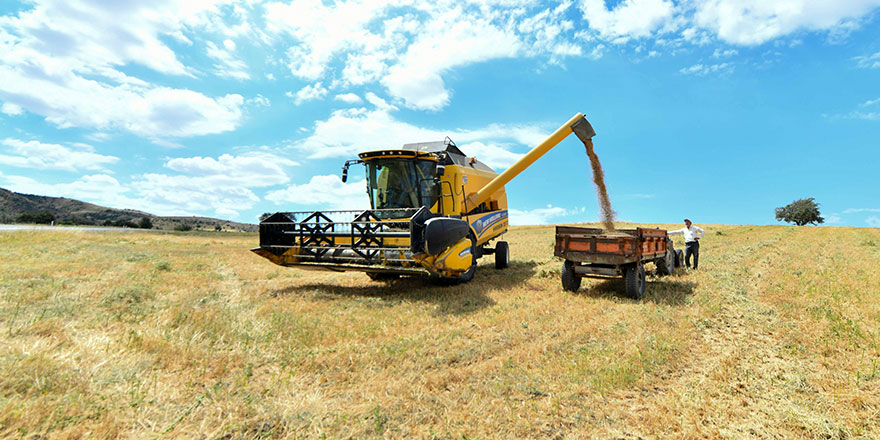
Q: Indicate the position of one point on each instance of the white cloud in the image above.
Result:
(868, 61)
(11, 109)
(260, 100)
(857, 210)
(637, 196)
(493, 155)
(308, 93)
(705, 69)
(725, 53)
(873, 221)
(545, 31)
(55, 64)
(453, 39)
(322, 32)
(628, 19)
(350, 131)
(49, 88)
(130, 32)
(38, 155)
(741, 22)
(411, 52)
(752, 22)
(184, 195)
(538, 216)
(219, 186)
(254, 170)
(325, 191)
(349, 98)
(867, 116)
(228, 65)
(102, 189)
(870, 102)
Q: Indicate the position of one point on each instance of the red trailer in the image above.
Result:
(595, 253)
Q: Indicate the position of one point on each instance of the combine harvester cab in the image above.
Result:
(434, 212)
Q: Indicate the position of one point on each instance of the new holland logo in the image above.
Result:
(483, 223)
(464, 252)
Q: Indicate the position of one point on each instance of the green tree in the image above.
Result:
(800, 212)
(146, 223)
(265, 215)
(36, 217)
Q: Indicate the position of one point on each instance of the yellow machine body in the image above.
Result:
(434, 211)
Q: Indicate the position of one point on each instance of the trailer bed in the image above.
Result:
(595, 253)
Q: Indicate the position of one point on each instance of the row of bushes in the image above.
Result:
(144, 223)
(36, 217)
(46, 218)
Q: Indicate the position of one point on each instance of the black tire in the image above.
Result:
(666, 265)
(502, 255)
(635, 281)
(570, 281)
(679, 258)
(382, 276)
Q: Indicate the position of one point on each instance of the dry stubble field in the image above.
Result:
(151, 335)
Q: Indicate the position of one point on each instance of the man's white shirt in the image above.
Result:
(691, 233)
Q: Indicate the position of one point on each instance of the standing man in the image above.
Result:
(692, 235)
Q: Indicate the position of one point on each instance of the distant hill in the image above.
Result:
(27, 208)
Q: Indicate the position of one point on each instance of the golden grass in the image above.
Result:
(149, 335)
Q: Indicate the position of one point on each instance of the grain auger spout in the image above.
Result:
(578, 125)
(434, 211)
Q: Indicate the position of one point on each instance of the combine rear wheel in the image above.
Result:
(570, 280)
(635, 281)
(502, 255)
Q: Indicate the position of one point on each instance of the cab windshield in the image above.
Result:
(401, 183)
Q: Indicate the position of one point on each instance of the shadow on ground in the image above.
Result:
(450, 300)
(672, 290)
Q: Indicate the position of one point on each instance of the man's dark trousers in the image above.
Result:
(692, 248)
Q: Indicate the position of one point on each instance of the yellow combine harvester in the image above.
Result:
(434, 212)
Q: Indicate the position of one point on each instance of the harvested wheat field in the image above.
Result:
(150, 335)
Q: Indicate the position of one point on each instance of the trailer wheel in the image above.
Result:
(666, 265)
(635, 281)
(502, 255)
(570, 280)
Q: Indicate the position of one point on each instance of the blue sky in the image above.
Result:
(718, 110)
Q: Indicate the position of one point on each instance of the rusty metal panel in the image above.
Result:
(594, 245)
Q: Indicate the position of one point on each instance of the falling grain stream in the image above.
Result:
(601, 191)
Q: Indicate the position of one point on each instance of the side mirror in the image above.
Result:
(441, 170)
(344, 173)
